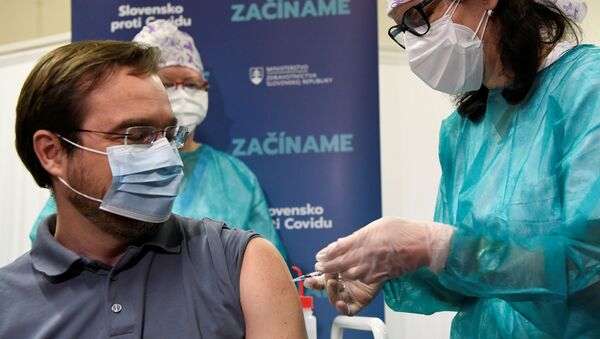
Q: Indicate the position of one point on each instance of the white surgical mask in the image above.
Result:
(189, 105)
(449, 58)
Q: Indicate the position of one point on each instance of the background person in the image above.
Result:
(215, 184)
(516, 251)
(95, 125)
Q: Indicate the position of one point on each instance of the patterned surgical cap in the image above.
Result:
(574, 9)
(176, 47)
(393, 3)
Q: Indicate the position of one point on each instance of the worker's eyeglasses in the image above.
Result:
(414, 21)
(146, 135)
(188, 85)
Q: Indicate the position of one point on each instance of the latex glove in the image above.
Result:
(386, 249)
(349, 297)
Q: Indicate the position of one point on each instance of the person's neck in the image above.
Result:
(497, 75)
(499, 78)
(81, 236)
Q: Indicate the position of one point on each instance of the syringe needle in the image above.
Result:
(308, 275)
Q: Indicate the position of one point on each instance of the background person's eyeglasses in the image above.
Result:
(146, 135)
(188, 85)
(414, 21)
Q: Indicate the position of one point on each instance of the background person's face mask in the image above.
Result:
(145, 180)
(449, 58)
(189, 105)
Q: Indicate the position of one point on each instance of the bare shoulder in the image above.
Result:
(267, 292)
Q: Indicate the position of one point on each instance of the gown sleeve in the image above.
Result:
(421, 291)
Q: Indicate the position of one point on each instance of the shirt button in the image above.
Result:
(116, 308)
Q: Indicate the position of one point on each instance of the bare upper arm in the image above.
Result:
(268, 297)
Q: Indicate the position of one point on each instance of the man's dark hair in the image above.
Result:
(54, 95)
(527, 30)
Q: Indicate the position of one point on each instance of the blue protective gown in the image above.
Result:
(219, 186)
(523, 189)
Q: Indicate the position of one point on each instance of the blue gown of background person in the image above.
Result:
(522, 186)
(218, 186)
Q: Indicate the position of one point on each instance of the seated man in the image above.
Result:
(216, 185)
(94, 124)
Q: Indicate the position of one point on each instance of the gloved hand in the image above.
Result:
(386, 249)
(349, 297)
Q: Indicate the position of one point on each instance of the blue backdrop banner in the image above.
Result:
(293, 94)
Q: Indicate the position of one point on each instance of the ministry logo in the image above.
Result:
(256, 74)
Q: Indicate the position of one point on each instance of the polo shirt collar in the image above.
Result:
(53, 259)
(48, 255)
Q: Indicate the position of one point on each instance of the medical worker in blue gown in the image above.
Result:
(516, 246)
(215, 184)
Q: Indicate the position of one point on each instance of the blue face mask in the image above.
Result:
(145, 180)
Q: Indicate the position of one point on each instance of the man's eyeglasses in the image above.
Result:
(414, 21)
(146, 135)
(189, 85)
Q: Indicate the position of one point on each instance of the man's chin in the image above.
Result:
(128, 229)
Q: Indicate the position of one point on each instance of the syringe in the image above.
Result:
(308, 275)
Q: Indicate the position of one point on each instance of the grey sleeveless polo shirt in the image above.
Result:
(182, 283)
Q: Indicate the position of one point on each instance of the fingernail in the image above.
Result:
(318, 267)
(322, 255)
(319, 280)
(349, 311)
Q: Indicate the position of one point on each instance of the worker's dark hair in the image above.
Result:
(54, 95)
(527, 29)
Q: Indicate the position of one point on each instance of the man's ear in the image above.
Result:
(50, 152)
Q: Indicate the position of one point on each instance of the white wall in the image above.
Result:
(29, 19)
(20, 199)
(411, 114)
